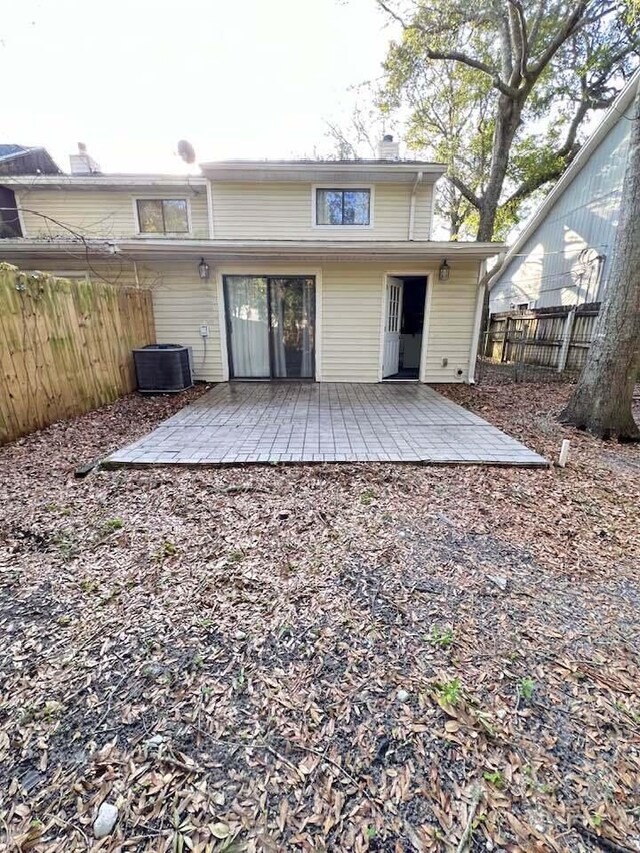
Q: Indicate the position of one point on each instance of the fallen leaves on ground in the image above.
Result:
(316, 657)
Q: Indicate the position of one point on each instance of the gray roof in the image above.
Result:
(9, 150)
(26, 159)
(309, 162)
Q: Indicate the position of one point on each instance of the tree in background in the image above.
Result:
(602, 400)
(499, 90)
(451, 119)
(362, 133)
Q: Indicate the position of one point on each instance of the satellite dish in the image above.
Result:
(186, 151)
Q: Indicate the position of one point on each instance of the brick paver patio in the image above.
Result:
(243, 422)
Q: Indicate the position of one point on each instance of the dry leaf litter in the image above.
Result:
(320, 657)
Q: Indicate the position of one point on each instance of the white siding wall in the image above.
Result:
(349, 324)
(100, 213)
(451, 320)
(547, 269)
(352, 309)
(258, 211)
(284, 211)
(182, 303)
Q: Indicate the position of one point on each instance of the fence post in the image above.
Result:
(566, 339)
(504, 339)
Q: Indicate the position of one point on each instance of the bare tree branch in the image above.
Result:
(470, 196)
(519, 36)
(567, 151)
(76, 235)
(569, 25)
(453, 55)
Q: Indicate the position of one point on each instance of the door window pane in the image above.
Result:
(292, 327)
(248, 323)
(393, 308)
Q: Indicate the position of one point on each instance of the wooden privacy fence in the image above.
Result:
(65, 346)
(556, 338)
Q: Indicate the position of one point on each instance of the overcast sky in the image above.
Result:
(237, 78)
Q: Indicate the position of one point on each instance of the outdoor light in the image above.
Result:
(443, 272)
(203, 269)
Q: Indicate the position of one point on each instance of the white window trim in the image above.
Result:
(160, 234)
(338, 185)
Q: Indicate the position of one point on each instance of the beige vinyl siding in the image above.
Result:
(349, 322)
(182, 302)
(450, 325)
(352, 306)
(284, 211)
(351, 317)
(424, 212)
(100, 213)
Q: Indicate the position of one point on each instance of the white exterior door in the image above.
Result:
(393, 321)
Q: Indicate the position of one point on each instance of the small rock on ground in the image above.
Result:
(105, 821)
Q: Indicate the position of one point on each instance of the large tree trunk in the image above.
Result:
(508, 115)
(601, 402)
(507, 122)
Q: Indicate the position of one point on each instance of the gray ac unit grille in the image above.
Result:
(163, 368)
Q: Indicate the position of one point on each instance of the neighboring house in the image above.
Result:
(292, 269)
(565, 253)
(21, 160)
(18, 160)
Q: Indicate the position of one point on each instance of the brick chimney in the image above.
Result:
(82, 163)
(388, 149)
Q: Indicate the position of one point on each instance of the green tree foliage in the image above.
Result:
(500, 91)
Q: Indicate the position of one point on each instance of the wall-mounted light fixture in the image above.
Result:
(203, 270)
(443, 272)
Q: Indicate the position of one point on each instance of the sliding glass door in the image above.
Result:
(248, 325)
(270, 326)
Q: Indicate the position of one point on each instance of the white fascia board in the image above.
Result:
(315, 172)
(100, 181)
(170, 248)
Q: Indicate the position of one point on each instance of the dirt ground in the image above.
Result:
(348, 657)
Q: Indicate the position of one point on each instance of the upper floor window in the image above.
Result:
(163, 216)
(343, 207)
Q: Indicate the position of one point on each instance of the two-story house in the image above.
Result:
(272, 270)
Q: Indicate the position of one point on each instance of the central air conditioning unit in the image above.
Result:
(163, 368)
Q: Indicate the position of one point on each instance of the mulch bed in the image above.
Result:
(349, 657)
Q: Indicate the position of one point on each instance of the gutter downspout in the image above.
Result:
(477, 323)
(18, 200)
(210, 208)
(412, 205)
